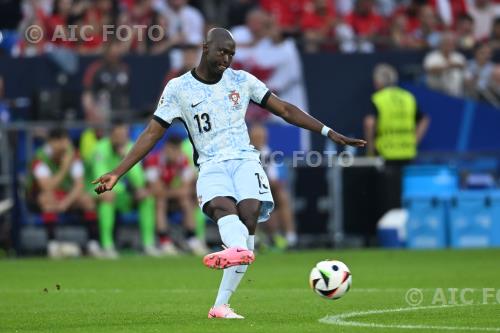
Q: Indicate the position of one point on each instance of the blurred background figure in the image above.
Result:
(445, 67)
(171, 180)
(492, 92)
(190, 57)
(4, 105)
(106, 82)
(465, 32)
(495, 35)
(393, 130)
(281, 227)
(318, 25)
(478, 72)
(55, 187)
(129, 192)
(366, 24)
(484, 13)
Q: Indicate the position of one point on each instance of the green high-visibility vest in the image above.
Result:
(396, 137)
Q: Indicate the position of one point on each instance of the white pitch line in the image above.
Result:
(342, 320)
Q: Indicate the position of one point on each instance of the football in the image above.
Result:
(330, 279)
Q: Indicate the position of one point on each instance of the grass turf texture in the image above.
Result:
(137, 294)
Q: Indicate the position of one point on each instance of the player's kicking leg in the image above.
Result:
(248, 213)
(233, 232)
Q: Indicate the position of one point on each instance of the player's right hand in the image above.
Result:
(105, 182)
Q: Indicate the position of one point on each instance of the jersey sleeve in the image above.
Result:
(259, 93)
(41, 170)
(77, 169)
(168, 107)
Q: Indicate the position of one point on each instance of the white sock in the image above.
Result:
(232, 277)
(232, 231)
(251, 242)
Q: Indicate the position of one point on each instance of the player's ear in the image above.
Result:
(205, 47)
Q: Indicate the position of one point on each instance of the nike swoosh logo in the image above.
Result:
(195, 105)
(263, 192)
(239, 272)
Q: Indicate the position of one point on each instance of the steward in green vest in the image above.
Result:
(393, 130)
(395, 126)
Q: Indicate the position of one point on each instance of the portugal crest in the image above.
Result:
(234, 97)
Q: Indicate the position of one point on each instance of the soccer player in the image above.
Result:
(232, 187)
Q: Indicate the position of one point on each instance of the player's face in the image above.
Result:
(220, 55)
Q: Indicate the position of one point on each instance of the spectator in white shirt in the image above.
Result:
(185, 25)
(444, 67)
(484, 13)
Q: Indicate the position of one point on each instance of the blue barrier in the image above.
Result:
(426, 193)
(426, 226)
(471, 220)
(495, 212)
(434, 181)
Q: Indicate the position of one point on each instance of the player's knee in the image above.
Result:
(248, 211)
(219, 207)
(250, 221)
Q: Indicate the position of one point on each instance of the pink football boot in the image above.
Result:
(232, 256)
(223, 311)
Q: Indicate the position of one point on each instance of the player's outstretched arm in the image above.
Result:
(148, 138)
(295, 116)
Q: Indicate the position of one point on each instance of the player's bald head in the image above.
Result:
(219, 35)
(218, 50)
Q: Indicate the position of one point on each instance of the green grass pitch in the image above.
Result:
(137, 294)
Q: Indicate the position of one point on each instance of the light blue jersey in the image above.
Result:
(213, 113)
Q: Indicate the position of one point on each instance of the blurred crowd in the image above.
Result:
(317, 25)
(447, 70)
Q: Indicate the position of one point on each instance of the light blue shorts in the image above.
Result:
(239, 179)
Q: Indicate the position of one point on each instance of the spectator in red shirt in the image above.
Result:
(368, 26)
(170, 177)
(399, 36)
(317, 24)
(91, 27)
(286, 13)
(57, 24)
(412, 14)
(429, 34)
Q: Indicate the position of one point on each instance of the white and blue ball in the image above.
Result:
(330, 279)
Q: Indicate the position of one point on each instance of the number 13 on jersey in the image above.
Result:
(203, 122)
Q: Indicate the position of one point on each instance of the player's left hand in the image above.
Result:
(105, 182)
(344, 140)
